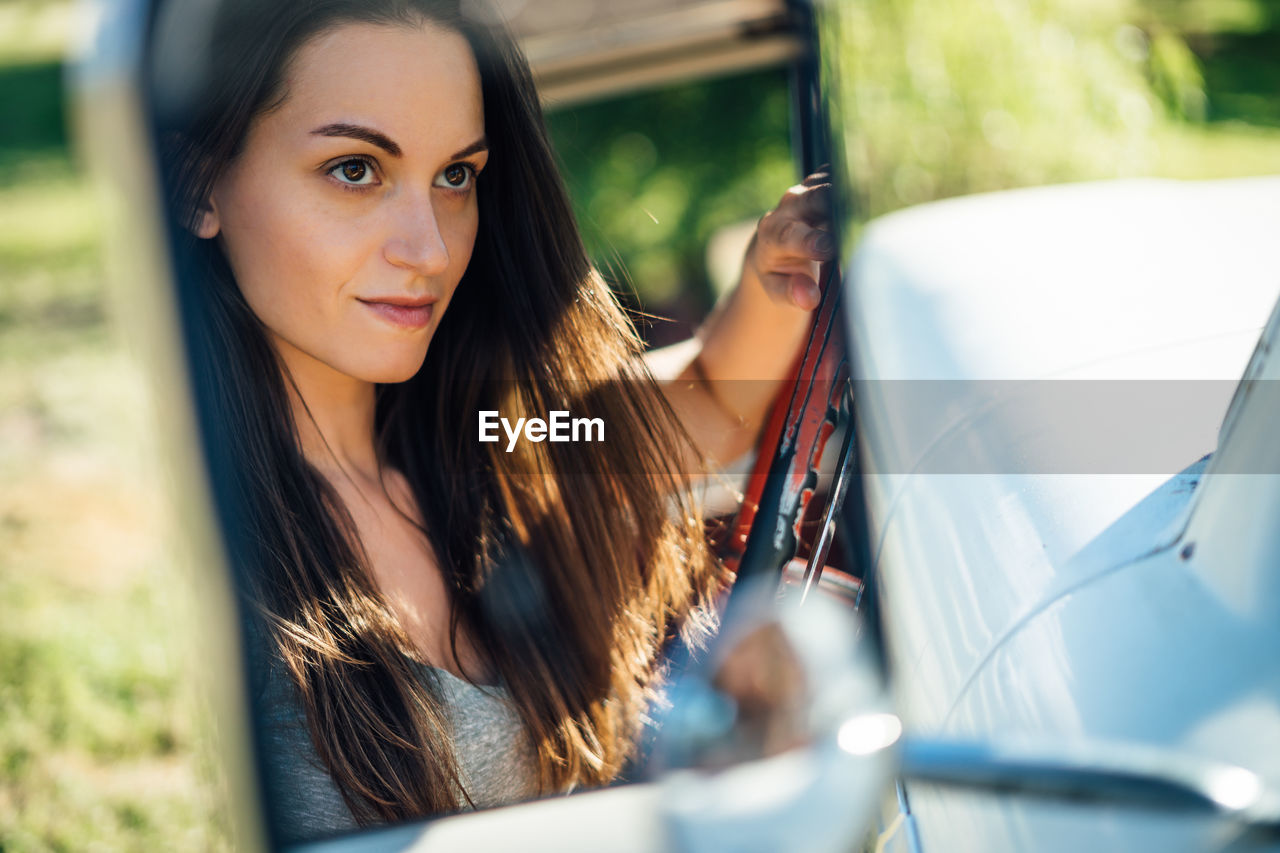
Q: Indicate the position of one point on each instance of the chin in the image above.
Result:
(394, 375)
(392, 371)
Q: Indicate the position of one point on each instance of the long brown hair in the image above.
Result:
(568, 564)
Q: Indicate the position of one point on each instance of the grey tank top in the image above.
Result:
(495, 757)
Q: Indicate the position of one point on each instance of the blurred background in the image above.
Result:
(939, 98)
(103, 740)
(100, 728)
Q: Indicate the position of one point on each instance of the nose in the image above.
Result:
(416, 241)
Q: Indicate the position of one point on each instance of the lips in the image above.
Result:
(406, 312)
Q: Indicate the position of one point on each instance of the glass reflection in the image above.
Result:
(374, 247)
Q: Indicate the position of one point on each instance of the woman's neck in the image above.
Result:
(334, 414)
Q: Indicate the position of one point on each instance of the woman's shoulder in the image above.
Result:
(305, 803)
(267, 678)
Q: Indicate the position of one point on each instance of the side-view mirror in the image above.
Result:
(782, 734)
(783, 703)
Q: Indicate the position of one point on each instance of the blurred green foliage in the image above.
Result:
(32, 97)
(936, 98)
(653, 175)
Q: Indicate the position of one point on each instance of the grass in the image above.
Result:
(102, 736)
(100, 739)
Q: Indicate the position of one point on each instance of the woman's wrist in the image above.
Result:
(709, 386)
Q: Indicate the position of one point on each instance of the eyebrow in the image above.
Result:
(481, 144)
(364, 134)
(381, 140)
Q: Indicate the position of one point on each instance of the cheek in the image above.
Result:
(461, 240)
(282, 255)
(459, 233)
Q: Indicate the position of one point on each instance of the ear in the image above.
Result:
(205, 222)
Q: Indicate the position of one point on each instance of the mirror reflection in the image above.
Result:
(784, 674)
(453, 598)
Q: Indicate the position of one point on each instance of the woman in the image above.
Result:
(378, 249)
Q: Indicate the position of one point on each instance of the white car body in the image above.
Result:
(1045, 571)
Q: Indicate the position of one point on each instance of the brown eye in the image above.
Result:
(353, 172)
(457, 176)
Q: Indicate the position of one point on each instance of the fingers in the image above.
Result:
(798, 289)
(811, 203)
(804, 292)
(800, 225)
(784, 235)
(800, 240)
(793, 239)
(822, 176)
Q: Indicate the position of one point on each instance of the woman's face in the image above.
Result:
(350, 215)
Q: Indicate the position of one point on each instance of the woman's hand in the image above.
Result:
(789, 243)
(722, 381)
